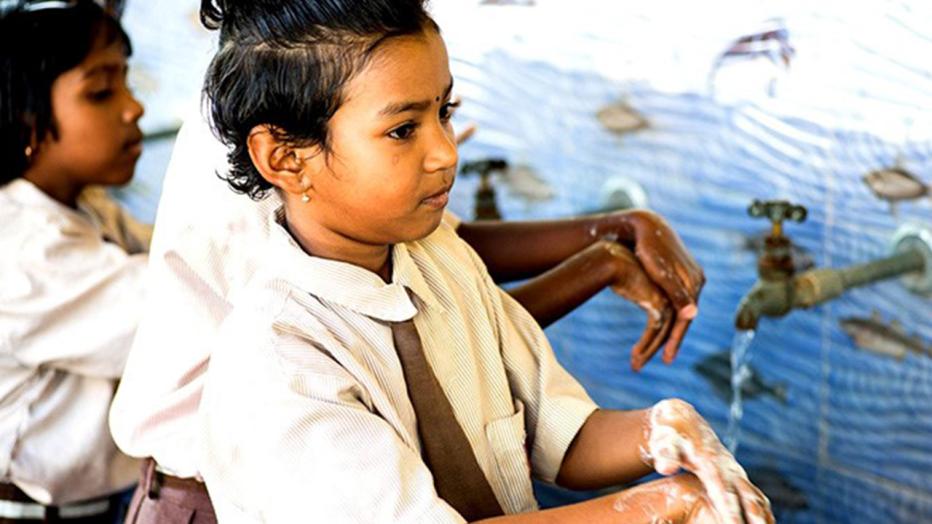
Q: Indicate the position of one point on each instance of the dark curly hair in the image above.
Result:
(284, 63)
(36, 47)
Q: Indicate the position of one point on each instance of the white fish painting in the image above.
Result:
(895, 184)
(621, 118)
(770, 42)
(876, 336)
(523, 182)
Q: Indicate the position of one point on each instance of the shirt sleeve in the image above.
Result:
(74, 305)
(556, 405)
(293, 438)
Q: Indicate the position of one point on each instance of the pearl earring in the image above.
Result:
(305, 198)
(28, 152)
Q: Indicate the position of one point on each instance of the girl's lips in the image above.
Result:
(438, 201)
(134, 149)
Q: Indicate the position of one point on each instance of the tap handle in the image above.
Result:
(484, 167)
(777, 211)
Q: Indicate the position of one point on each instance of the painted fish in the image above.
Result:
(895, 184)
(772, 41)
(716, 370)
(523, 182)
(802, 257)
(781, 492)
(620, 118)
(890, 340)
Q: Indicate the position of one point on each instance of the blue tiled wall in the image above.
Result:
(853, 440)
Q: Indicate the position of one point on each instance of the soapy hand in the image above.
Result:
(677, 437)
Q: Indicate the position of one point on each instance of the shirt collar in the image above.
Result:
(352, 286)
(29, 195)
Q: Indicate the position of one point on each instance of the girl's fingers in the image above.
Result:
(676, 338)
(639, 353)
(663, 326)
(724, 499)
(466, 133)
(755, 504)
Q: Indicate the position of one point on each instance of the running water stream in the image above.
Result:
(740, 373)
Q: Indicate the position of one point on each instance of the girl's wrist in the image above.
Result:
(625, 225)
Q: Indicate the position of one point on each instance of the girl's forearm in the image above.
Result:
(554, 293)
(668, 500)
(517, 250)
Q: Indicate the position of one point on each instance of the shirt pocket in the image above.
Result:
(506, 438)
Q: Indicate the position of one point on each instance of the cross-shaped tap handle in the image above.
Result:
(777, 211)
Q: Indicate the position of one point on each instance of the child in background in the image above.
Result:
(71, 269)
(321, 401)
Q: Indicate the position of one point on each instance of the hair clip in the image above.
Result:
(114, 7)
(42, 5)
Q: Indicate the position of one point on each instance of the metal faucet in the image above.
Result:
(779, 290)
(486, 206)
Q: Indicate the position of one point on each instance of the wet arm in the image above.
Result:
(514, 250)
(672, 500)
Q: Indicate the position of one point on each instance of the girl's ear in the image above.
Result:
(282, 165)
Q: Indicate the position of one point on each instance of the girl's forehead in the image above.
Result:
(103, 59)
(403, 68)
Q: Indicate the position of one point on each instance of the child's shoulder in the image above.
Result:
(41, 234)
(275, 332)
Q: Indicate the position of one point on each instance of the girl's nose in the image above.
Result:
(133, 111)
(442, 155)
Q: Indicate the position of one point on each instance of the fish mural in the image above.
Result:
(523, 182)
(783, 495)
(621, 118)
(895, 184)
(802, 257)
(881, 338)
(771, 41)
(716, 370)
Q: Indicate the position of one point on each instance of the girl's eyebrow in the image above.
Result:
(107, 69)
(401, 107)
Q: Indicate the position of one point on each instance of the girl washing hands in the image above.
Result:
(321, 400)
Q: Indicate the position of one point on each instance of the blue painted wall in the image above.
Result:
(853, 440)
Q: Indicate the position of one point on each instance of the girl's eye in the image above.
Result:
(447, 110)
(100, 96)
(402, 133)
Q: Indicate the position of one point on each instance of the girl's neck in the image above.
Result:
(324, 243)
(57, 187)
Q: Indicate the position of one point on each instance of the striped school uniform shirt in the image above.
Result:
(198, 262)
(71, 288)
(305, 413)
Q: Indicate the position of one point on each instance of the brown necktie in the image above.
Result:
(457, 476)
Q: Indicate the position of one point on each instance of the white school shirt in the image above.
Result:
(206, 247)
(305, 412)
(69, 305)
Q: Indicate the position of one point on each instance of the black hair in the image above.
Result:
(284, 64)
(36, 47)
